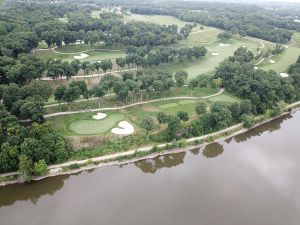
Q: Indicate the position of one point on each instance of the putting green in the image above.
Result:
(91, 126)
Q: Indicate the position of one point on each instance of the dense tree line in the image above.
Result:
(22, 147)
(263, 88)
(240, 19)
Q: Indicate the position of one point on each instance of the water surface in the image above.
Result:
(252, 179)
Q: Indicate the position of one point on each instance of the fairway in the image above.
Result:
(210, 61)
(157, 19)
(284, 60)
(91, 126)
(93, 55)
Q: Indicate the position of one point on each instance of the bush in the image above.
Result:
(74, 166)
(41, 168)
(248, 121)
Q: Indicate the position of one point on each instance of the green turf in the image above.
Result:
(225, 97)
(210, 62)
(93, 55)
(157, 19)
(84, 124)
(168, 105)
(283, 61)
(184, 102)
(202, 37)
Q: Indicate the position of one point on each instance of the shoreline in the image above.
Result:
(112, 160)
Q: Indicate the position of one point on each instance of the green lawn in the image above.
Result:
(84, 124)
(157, 19)
(210, 61)
(284, 60)
(202, 37)
(93, 55)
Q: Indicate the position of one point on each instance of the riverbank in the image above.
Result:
(148, 152)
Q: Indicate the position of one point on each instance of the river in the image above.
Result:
(251, 179)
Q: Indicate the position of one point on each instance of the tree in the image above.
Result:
(25, 167)
(148, 125)
(99, 92)
(225, 36)
(201, 108)
(59, 94)
(180, 78)
(173, 126)
(248, 120)
(71, 95)
(121, 62)
(41, 168)
(183, 116)
(106, 65)
(221, 115)
(33, 109)
(235, 110)
(245, 106)
(162, 117)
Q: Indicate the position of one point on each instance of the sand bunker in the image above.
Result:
(215, 53)
(124, 128)
(81, 56)
(99, 116)
(223, 45)
(272, 61)
(283, 74)
(255, 67)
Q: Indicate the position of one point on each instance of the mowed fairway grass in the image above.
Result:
(284, 60)
(157, 19)
(210, 61)
(84, 124)
(94, 55)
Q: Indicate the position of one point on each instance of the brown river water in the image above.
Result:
(251, 179)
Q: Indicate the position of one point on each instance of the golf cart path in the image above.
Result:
(133, 104)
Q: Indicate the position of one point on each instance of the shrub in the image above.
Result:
(41, 168)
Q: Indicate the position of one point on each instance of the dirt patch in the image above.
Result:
(78, 142)
(149, 108)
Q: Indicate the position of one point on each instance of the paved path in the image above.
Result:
(131, 105)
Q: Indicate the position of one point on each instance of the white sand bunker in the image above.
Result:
(223, 45)
(272, 61)
(99, 116)
(255, 67)
(81, 56)
(283, 74)
(215, 53)
(124, 128)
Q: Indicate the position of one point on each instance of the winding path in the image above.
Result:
(131, 105)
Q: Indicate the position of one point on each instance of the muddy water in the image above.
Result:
(252, 179)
